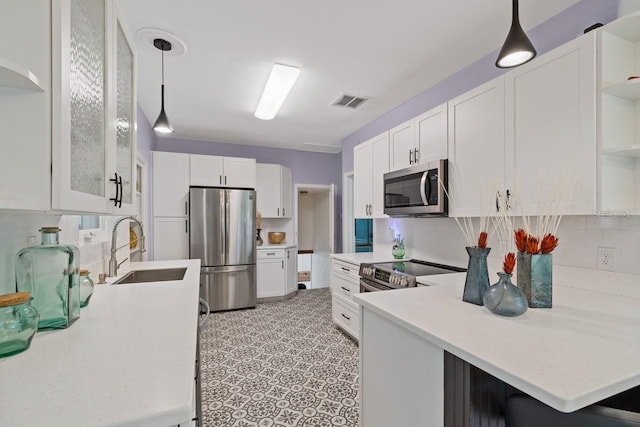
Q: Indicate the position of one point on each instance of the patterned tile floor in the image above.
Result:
(281, 364)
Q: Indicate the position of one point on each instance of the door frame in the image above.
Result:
(348, 231)
(332, 207)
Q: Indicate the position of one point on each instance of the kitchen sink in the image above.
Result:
(158, 275)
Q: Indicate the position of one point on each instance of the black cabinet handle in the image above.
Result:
(117, 198)
(346, 317)
(225, 180)
(345, 289)
(186, 208)
(410, 157)
(345, 269)
(415, 155)
(121, 191)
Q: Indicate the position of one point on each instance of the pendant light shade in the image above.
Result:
(517, 48)
(162, 124)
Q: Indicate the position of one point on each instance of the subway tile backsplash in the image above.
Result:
(440, 240)
(17, 228)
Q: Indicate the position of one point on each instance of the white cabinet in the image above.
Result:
(431, 135)
(419, 140)
(618, 107)
(276, 272)
(476, 146)
(216, 171)
(402, 146)
(71, 122)
(170, 238)
(370, 163)
(93, 108)
(345, 282)
(273, 188)
(170, 184)
(551, 129)
(170, 205)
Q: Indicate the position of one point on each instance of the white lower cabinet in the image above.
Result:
(345, 282)
(276, 272)
(170, 238)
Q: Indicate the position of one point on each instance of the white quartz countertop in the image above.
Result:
(271, 246)
(584, 349)
(129, 360)
(365, 257)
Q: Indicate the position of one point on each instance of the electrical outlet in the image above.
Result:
(606, 258)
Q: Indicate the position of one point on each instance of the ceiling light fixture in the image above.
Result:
(281, 80)
(517, 48)
(162, 124)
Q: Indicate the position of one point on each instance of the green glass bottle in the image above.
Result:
(50, 273)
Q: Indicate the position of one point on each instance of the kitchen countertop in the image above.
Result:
(366, 257)
(128, 360)
(283, 245)
(584, 349)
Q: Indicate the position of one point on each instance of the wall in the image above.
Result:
(146, 142)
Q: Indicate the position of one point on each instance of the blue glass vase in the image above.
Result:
(477, 281)
(504, 298)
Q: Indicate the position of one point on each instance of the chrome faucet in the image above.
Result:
(113, 262)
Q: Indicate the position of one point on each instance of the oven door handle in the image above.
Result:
(367, 287)
(423, 184)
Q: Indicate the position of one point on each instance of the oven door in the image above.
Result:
(369, 286)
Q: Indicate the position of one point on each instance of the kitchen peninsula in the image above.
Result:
(581, 351)
(128, 361)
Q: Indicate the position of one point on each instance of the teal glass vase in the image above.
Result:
(504, 298)
(398, 248)
(477, 281)
(50, 273)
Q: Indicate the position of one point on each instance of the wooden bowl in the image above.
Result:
(276, 237)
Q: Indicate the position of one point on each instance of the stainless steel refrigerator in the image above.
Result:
(222, 234)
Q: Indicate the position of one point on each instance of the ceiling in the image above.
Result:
(388, 50)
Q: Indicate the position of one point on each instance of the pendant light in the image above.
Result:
(517, 49)
(162, 124)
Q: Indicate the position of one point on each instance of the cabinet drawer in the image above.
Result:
(346, 317)
(269, 253)
(351, 270)
(344, 285)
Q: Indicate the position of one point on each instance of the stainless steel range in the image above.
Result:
(397, 275)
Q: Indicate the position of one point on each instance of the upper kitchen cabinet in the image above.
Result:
(402, 147)
(273, 190)
(170, 184)
(431, 135)
(476, 147)
(419, 140)
(619, 108)
(550, 130)
(370, 163)
(215, 171)
(25, 105)
(94, 106)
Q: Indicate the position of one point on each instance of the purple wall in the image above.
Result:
(552, 33)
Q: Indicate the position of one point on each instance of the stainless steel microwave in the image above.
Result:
(417, 190)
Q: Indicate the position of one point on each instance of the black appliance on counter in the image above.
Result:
(401, 274)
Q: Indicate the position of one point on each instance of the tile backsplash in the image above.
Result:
(440, 240)
(16, 229)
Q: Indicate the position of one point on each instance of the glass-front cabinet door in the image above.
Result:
(93, 108)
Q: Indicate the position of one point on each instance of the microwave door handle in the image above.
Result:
(423, 184)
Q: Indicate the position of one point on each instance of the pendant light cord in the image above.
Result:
(514, 13)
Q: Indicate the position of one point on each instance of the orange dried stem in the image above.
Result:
(521, 239)
(531, 247)
(482, 240)
(548, 244)
(509, 263)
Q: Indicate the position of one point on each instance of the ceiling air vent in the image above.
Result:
(348, 101)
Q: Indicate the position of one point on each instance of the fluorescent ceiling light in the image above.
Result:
(279, 84)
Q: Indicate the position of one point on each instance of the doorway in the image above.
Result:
(315, 232)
